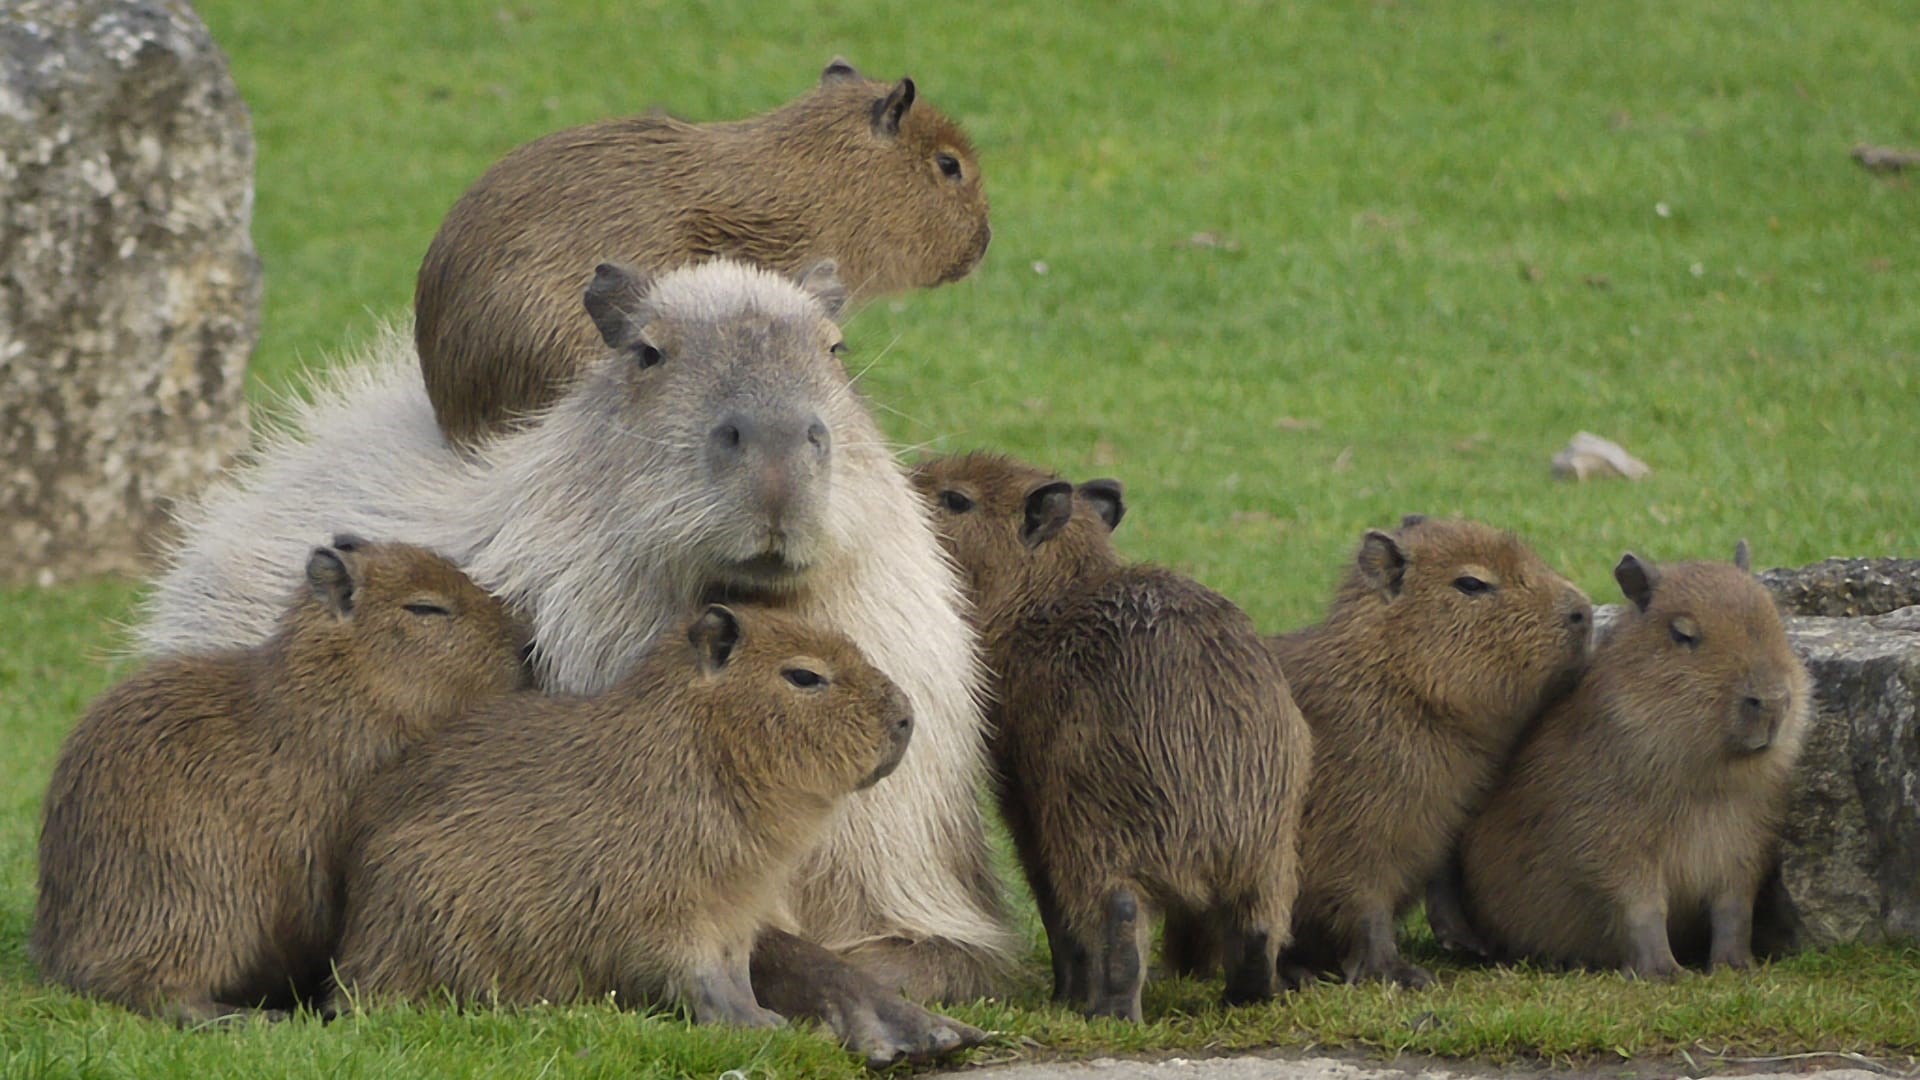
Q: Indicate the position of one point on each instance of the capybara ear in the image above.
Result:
(1382, 563)
(1049, 508)
(330, 580)
(890, 110)
(347, 541)
(615, 299)
(1743, 555)
(1637, 579)
(838, 69)
(1411, 520)
(715, 634)
(822, 282)
(1107, 497)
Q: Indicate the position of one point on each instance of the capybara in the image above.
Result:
(630, 843)
(1644, 808)
(1444, 639)
(188, 856)
(856, 171)
(717, 448)
(1149, 754)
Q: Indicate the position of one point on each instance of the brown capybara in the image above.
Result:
(630, 843)
(1443, 641)
(858, 172)
(188, 856)
(1149, 753)
(1644, 808)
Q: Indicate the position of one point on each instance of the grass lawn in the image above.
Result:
(1290, 270)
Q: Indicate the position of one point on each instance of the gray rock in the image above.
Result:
(1850, 851)
(129, 288)
(1845, 586)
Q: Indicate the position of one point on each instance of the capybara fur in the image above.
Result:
(856, 171)
(631, 843)
(717, 449)
(1444, 640)
(189, 850)
(1643, 810)
(1149, 755)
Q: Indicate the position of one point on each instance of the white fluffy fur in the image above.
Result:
(540, 519)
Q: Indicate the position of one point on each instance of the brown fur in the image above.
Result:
(1648, 802)
(1148, 751)
(187, 857)
(1416, 690)
(630, 843)
(852, 172)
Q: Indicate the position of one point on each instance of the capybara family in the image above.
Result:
(1644, 808)
(1445, 638)
(715, 448)
(1149, 754)
(860, 172)
(630, 843)
(188, 854)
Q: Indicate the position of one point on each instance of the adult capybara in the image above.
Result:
(1443, 641)
(859, 172)
(1149, 754)
(1644, 808)
(717, 447)
(631, 843)
(188, 853)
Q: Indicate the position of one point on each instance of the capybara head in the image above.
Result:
(719, 401)
(1013, 528)
(409, 630)
(910, 171)
(1703, 648)
(803, 709)
(1469, 615)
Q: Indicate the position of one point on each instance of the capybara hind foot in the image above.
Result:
(1390, 969)
(802, 980)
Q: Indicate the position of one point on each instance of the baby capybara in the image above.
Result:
(188, 861)
(1644, 809)
(1149, 754)
(864, 173)
(630, 843)
(1443, 641)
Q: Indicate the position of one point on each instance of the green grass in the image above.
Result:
(1437, 251)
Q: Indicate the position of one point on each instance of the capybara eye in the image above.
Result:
(422, 608)
(949, 165)
(1684, 632)
(647, 355)
(803, 678)
(955, 502)
(1471, 585)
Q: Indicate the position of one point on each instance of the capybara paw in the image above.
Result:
(893, 1029)
(1464, 941)
(1654, 971)
(1738, 959)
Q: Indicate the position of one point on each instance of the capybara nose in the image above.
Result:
(818, 436)
(732, 435)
